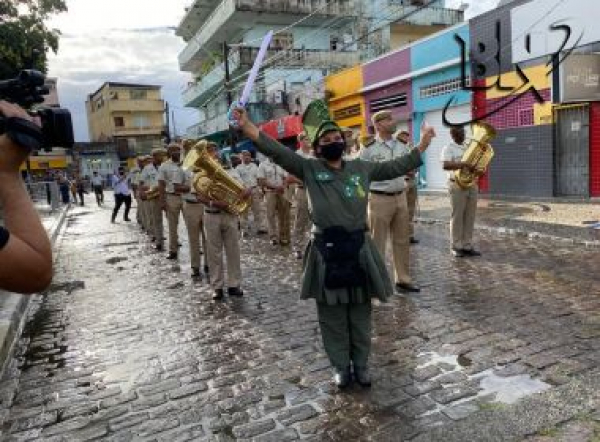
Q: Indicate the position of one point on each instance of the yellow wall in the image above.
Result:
(101, 121)
(402, 35)
(543, 113)
(54, 163)
(537, 75)
(344, 86)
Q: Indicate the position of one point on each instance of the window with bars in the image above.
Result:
(347, 112)
(442, 88)
(380, 104)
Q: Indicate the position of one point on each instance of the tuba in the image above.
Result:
(479, 154)
(212, 181)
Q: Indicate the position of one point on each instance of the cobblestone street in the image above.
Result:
(126, 346)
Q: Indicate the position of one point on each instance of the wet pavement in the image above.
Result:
(126, 346)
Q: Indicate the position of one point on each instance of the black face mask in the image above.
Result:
(333, 151)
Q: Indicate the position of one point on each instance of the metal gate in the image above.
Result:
(572, 177)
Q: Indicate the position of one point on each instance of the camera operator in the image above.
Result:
(25, 250)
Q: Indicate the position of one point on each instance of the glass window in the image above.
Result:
(137, 94)
(119, 121)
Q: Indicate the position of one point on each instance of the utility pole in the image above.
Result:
(167, 134)
(228, 89)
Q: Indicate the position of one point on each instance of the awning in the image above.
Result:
(286, 127)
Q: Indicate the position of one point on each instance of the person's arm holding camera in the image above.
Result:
(25, 249)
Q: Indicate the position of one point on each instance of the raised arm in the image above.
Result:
(279, 153)
(395, 168)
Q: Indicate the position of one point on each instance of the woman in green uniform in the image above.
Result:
(342, 268)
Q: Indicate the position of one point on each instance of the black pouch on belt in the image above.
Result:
(340, 250)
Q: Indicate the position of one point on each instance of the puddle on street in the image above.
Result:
(509, 390)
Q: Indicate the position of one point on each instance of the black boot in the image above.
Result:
(362, 376)
(218, 295)
(342, 378)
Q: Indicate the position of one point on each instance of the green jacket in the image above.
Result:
(340, 198)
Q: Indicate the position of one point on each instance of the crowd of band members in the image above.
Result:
(212, 230)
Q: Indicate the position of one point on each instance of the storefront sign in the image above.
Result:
(580, 78)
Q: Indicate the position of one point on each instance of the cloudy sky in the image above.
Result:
(131, 41)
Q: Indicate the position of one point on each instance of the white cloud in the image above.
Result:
(475, 8)
(86, 60)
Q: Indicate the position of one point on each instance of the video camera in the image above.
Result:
(27, 90)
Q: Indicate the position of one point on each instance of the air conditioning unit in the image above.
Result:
(278, 97)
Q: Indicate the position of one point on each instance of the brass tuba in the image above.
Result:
(479, 154)
(212, 181)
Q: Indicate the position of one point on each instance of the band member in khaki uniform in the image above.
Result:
(411, 188)
(388, 208)
(302, 218)
(193, 215)
(171, 174)
(272, 178)
(144, 203)
(463, 201)
(149, 181)
(248, 171)
(135, 179)
(222, 232)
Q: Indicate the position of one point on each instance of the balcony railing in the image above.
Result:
(308, 58)
(258, 113)
(427, 16)
(222, 14)
(136, 105)
(137, 130)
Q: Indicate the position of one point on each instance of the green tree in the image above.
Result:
(24, 36)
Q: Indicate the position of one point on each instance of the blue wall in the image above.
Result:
(438, 49)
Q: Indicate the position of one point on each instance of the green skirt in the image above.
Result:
(378, 286)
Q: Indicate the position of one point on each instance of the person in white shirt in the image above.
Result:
(411, 188)
(272, 178)
(302, 217)
(170, 174)
(248, 171)
(121, 183)
(388, 207)
(463, 201)
(98, 187)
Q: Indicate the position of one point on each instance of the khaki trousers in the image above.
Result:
(146, 218)
(174, 207)
(411, 199)
(464, 208)
(278, 217)
(193, 215)
(302, 219)
(156, 216)
(388, 216)
(222, 233)
(257, 212)
(138, 208)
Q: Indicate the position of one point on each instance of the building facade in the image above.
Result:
(298, 59)
(129, 115)
(346, 103)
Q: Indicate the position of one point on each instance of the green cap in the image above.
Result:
(316, 120)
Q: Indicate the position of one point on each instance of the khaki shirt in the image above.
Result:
(272, 173)
(452, 152)
(381, 151)
(249, 174)
(171, 174)
(149, 176)
(134, 176)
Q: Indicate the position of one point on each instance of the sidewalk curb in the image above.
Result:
(14, 307)
(528, 234)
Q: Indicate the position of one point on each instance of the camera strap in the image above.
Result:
(24, 133)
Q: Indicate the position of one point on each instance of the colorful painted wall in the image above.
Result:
(346, 104)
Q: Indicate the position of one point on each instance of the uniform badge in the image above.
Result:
(324, 176)
(354, 187)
